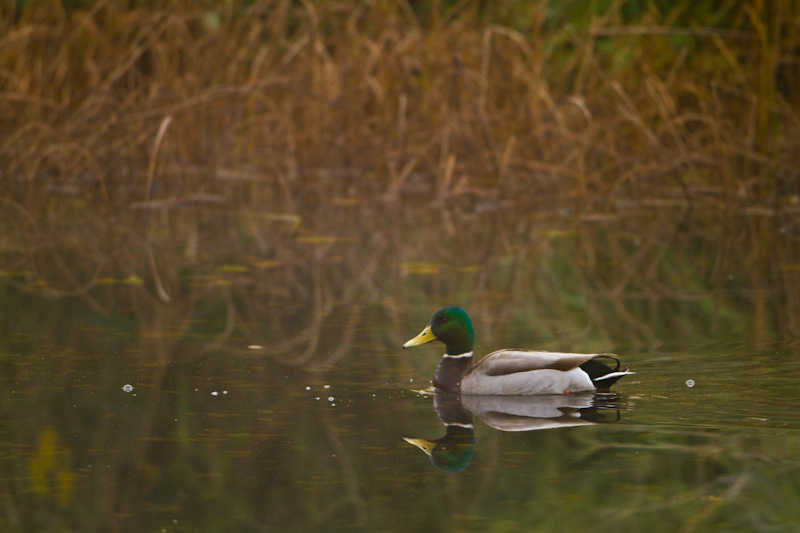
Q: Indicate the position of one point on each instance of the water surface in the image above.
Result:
(269, 390)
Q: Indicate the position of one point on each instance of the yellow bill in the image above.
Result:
(426, 336)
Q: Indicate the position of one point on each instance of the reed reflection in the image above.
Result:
(453, 452)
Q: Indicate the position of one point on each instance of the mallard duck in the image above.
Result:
(509, 372)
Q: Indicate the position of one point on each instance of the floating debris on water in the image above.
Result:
(127, 388)
(690, 383)
(326, 386)
(215, 393)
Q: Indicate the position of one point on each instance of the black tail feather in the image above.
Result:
(596, 370)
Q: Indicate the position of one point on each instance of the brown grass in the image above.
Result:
(168, 146)
(274, 102)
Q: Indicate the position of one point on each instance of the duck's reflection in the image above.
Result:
(453, 452)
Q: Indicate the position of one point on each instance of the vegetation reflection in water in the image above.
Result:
(282, 450)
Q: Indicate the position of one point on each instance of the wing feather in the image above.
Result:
(506, 362)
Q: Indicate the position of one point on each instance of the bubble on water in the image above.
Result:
(214, 393)
(331, 398)
(127, 388)
(308, 388)
(690, 383)
(326, 386)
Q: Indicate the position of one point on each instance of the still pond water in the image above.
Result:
(268, 390)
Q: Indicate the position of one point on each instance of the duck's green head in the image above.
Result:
(450, 325)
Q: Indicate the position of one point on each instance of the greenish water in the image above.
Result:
(271, 393)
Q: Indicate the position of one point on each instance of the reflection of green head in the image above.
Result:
(451, 453)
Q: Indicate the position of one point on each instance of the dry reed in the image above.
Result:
(269, 103)
(138, 144)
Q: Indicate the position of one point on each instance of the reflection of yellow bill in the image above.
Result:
(426, 336)
(424, 445)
